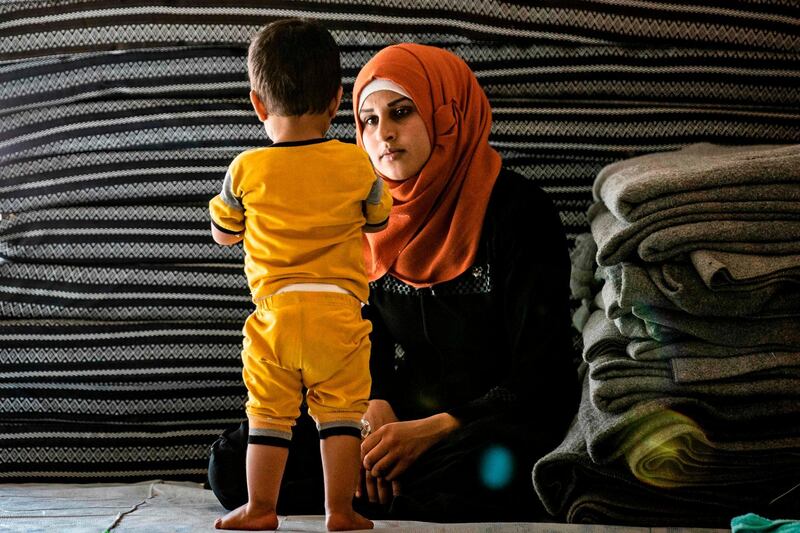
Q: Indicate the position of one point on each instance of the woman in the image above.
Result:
(472, 367)
(473, 378)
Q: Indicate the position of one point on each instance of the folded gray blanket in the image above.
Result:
(583, 283)
(617, 394)
(693, 369)
(741, 235)
(635, 328)
(703, 172)
(573, 483)
(650, 349)
(601, 335)
(756, 427)
(736, 271)
(678, 286)
(574, 488)
(631, 326)
(662, 324)
(607, 351)
(663, 235)
(617, 365)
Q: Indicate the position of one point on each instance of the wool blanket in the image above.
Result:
(587, 478)
(616, 393)
(606, 349)
(662, 324)
(702, 172)
(700, 426)
(649, 349)
(574, 488)
(773, 228)
(677, 285)
(747, 272)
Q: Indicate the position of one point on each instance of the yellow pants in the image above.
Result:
(316, 339)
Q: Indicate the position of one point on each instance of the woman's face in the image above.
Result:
(394, 135)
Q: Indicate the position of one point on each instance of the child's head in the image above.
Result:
(294, 67)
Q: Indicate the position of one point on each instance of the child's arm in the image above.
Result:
(377, 207)
(225, 239)
(227, 212)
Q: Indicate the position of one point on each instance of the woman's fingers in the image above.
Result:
(369, 443)
(360, 486)
(384, 491)
(383, 465)
(378, 490)
(396, 469)
(371, 485)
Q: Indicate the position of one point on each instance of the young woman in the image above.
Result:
(472, 368)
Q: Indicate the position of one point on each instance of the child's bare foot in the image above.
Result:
(244, 518)
(347, 522)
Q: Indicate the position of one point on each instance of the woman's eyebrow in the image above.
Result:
(395, 102)
(390, 104)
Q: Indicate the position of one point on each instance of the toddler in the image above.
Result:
(300, 206)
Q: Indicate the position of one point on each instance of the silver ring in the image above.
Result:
(366, 429)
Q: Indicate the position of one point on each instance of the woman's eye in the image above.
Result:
(370, 121)
(402, 111)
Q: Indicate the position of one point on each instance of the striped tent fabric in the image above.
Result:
(120, 319)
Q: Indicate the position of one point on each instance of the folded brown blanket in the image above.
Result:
(736, 271)
(636, 187)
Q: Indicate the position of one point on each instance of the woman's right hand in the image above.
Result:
(377, 489)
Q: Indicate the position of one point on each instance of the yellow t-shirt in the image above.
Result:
(302, 206)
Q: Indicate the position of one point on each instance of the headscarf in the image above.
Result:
(437, 216)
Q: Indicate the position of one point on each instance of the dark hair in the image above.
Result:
(294, 67)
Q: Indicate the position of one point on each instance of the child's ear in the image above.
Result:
(258, 106)
(334, 107)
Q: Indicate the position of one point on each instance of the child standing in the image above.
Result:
(300, 205)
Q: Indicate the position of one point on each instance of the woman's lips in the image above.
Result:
(391, 154)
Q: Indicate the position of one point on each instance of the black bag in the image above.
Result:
(227, 473)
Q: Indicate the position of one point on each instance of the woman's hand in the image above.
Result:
(391, 448)
(378, 490)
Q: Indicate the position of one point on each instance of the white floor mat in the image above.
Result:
(172, 507)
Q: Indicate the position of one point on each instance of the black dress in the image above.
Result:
(492, 348)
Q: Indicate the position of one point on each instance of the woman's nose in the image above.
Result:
(385, 131)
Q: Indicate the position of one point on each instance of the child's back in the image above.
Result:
(300, 206)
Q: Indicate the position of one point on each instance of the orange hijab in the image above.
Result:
(437, 216)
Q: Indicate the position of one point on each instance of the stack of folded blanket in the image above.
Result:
(692, 347)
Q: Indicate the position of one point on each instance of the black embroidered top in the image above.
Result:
(494, 339)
